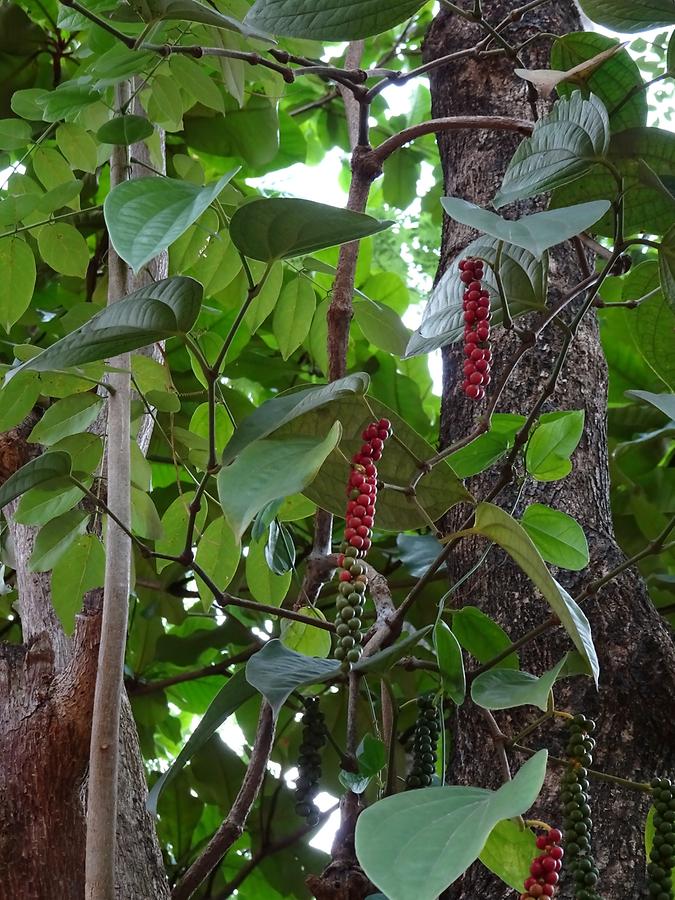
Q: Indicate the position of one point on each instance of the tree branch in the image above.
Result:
(233, 826)
(105, 729)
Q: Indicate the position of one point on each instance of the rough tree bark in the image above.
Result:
(635, 649)
(46, 703)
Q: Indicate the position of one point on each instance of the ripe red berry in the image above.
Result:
(472, 390)
(466, 277)
(476, 378)
(555, 836)
(345, 576)
(556, 852)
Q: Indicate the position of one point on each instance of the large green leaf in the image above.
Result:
(66, 417)
(509, 852)
(47, 500)
(228, 699)
(320, 21)
(535, 233)
(155, 312)
(50, 465)
(652, 324)
(55, 539)
(381, 326)
(17, 265)
(564, 144)
(218, 555)
(505, 688)
(523, 277)
(63, 248)
(613, 81)
(145, 215)
(630, 16)
(552, 443)
(558, 537)
(269, 469)
(437, 832)
(436, 491)
(304, 638)
(287, 406)
(481, 636)
(79, 571)
(497, 525)
(194, 11)
(276, 672)
(643, 157)
(293, 314)
(665, 403)
(280, 228)
(125, 130)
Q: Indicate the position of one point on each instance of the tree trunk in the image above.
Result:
(637, 679)
(46, 703)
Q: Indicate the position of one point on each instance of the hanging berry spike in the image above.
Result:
(359, 520)
(575, 798)
(309, 761)
(423, 743)
(476, 305)
(545, 869)
(660, 867)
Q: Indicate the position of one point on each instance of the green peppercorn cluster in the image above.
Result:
(309, 761)
(423, 743)
(575, 799)
(660, 867)
(349, 608)
(359, 521)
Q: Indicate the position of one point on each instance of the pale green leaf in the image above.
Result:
(303, 638)
(78, 146)
(17, 265)
(558, 537)
(293, 315)
(55, 539)
(63, 248)
(81, 570)
(218, 555)
(66, 417)
(509, 851)
(450, 662)
(506, 688)
(37, 471)
(264, 585)
(552, 443)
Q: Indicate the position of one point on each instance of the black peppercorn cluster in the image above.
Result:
(575, 799)
(423, 743)
(660, 867)
(309, 761)
(359, 521)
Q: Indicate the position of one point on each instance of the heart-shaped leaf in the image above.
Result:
(552, 443)
(287, 406)
(276, 672)
(509, 852)
(505, 688)
(437, 832)
(481, 636)
(145, 215)
(564, 145)
(17, 264)
(497, 525)
(282, 227)
(153, 313)
(50, 465)
(269, 469)
(228, 699)
(535, 233)
(558, 537)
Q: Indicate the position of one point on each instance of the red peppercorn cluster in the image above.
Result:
(360, 517)
(476, 305)
(545, 869)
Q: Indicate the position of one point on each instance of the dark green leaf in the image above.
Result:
(381, 326)
(629, 15)
(269, 469)
(125, 130)
(280, 228)
(384, 659)
(287, 406)
(436, 491)
(145, 215)
(418, 552)
(276, 672)
(564, 145)
(371, 755)
(437, 832)
(67, 416)
(81, 570)
(230, 697)
(316, 20)
(37, 471)
(193, 11)
(616, 79)
(665, 403)
(153, 313)
(279, 549)
(55, 539)
(667, 267)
